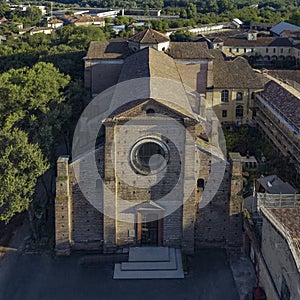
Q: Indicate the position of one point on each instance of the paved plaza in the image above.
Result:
(44, 277)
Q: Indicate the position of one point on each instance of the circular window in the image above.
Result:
(149, 156)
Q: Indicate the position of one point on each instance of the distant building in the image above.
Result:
(237, 22)
(45, 30)
(282, 26)
(254, 25)
(83, 20)
(55, 23)
(274, 185)
(249, 162)
(265, 49)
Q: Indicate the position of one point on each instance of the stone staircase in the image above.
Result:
(150, 263)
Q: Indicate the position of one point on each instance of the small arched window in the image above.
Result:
(224, 96)
(150, 111)
(200, 183)
(239, 96)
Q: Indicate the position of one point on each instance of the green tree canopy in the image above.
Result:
(33, 110)
(21, 163)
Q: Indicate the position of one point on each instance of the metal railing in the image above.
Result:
(278, 200)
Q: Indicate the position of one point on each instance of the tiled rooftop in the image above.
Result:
(82, 18)
(286, 75)
(189, 50)
(290, 219)
(260, 42)
(149, 36)
(117, 48)
(283, 101)
(235, 73)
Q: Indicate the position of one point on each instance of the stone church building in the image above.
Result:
(188, 197)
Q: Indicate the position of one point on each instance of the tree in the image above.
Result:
(180, 36)
(295, 18)
(21, 163)
(191, 10)
(31, 17)
(30, 98)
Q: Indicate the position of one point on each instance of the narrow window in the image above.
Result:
(224, 96)
(239, 96)
(239, 112)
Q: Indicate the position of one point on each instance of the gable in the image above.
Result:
(140, 107)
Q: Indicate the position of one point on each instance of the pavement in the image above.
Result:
(34, 277)
(244, 275)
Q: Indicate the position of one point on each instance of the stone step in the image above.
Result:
(151, 274)
(152, 265)
(149, 254)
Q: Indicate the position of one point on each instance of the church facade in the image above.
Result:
(160, 176)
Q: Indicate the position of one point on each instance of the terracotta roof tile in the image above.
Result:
(290, 218)
(149, 36)
(117, 48)
(235, 73)
(260, 42)
(189, 50)
(283, 101)
(82, 18)
(149, 62)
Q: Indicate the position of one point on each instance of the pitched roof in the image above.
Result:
(149, 36)
(149, 62)
(278, 28)
(274, 185)
(259, 42)
(286, 75)
(287, 104)
(82, 18)
(290, 218)
(235, 73)
(189, 50)
(116, 48)
(55, 21)
(148, 205)
(216, 40)
(153, 70)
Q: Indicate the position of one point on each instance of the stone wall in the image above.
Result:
(87, 219)
(101, 74)
(213, 220)
(234, 233)
(63, 208)
(279, 260)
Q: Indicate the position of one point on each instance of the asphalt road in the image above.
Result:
(35, 277)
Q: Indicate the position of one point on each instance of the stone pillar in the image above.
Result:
(210, 75)
(235, 234)
(63, 208)
(189, 206)
(109, 192)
